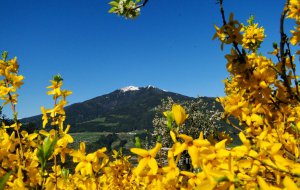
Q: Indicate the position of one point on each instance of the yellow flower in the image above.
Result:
(51, 133)
(58, 109)
(65, 137)
(294, 9)
(289, 183)
(18, 182)
(65, 93)
(195, 181)
(4, 90)
(179, 114)
(29, 138)
(55, 88)
(62, 144)
(148, 158)
(90, 162)
(253, 36)
(85, 168)
(192, 147)
(230, 32)
(296, 35)
(17, 80)
(44, 117)
(171, 171)
(257, 120)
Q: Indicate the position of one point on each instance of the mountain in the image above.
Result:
(126, 109)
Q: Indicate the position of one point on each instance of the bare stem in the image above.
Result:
(55, 161)
(13, 108)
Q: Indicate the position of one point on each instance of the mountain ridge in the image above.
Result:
(125, 109)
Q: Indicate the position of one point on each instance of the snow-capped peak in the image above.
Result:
(129, 88)
(150, 86)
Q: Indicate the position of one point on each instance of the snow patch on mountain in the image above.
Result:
(150, 86)
(135, 88)
(129, 88)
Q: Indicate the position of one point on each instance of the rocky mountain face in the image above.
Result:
(126, 109)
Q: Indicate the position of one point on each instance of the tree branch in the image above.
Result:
(283, 53)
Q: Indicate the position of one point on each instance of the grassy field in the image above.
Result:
(87, 137)
(96, 140)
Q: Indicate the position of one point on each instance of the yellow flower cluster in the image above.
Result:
(10, 80)
(33, 161)
(294, 13)
(294, 10)
(262, 96)
(253, 36)
(230, 32)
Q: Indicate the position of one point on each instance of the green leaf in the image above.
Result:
(221, 179)
(48, 147)
(294, 127)
(158, 139)
(46, 150)
(4, 55)
(40, 155)
(114, 3)
(170, 119)
(112, 10)
(138, 143)
(65, 173)
(250, 21)
(58, 78)
(3, 180)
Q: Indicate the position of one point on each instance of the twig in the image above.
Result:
(234, 126)
(13, 108)
(141, 5)
(275, 103)
(234, 43)
(55, 162)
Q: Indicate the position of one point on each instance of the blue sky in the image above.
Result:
(169, 46)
